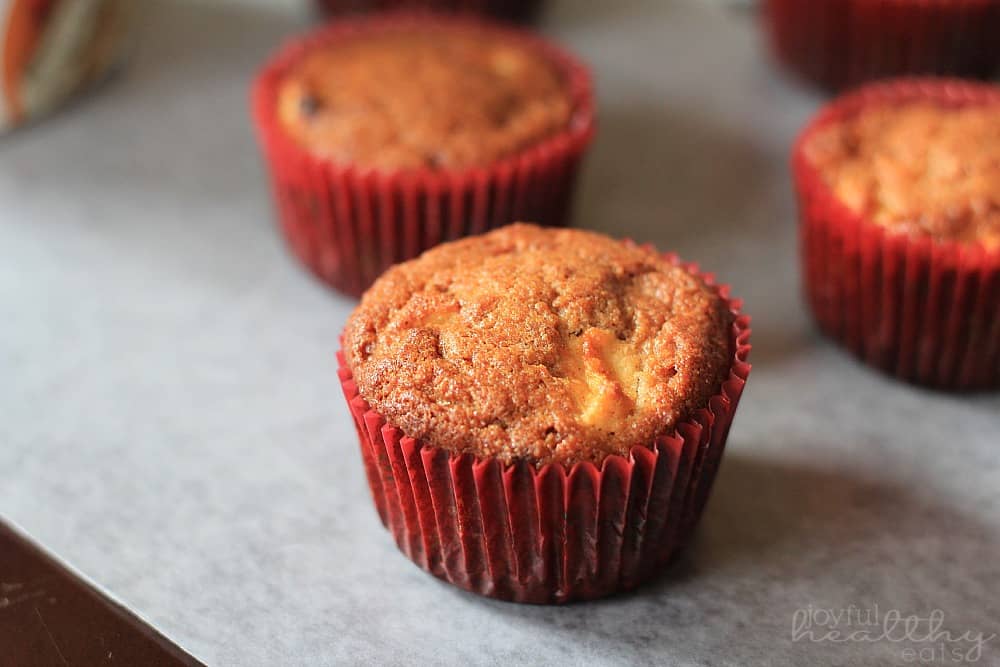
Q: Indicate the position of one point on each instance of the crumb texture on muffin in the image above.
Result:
(416, 98)
(917, 168)
(539, 344)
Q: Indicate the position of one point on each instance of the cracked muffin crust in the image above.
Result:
(429, 97)
(539, 344)
(918, 168)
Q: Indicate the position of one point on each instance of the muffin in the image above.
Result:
(899, 191)
(842, 43)
(541, 411)
(510, 10)
(388, 135)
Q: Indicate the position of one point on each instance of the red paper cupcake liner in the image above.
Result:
(511, 10)
(347, 225)
(841, 43)
(551, 534)
(925, 311)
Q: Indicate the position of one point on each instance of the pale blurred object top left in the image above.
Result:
(52, 49)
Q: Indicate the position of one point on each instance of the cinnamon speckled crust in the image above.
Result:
(539, 344)
(431, 98)
(918, 168)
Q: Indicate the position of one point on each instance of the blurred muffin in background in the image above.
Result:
(421, 99)
(386, 135)
(510, 10)
(51, 49)
(842, 43)
(899, 193)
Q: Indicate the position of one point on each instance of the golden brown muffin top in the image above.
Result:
(918, 168)
(434, 98)
(539, 344)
